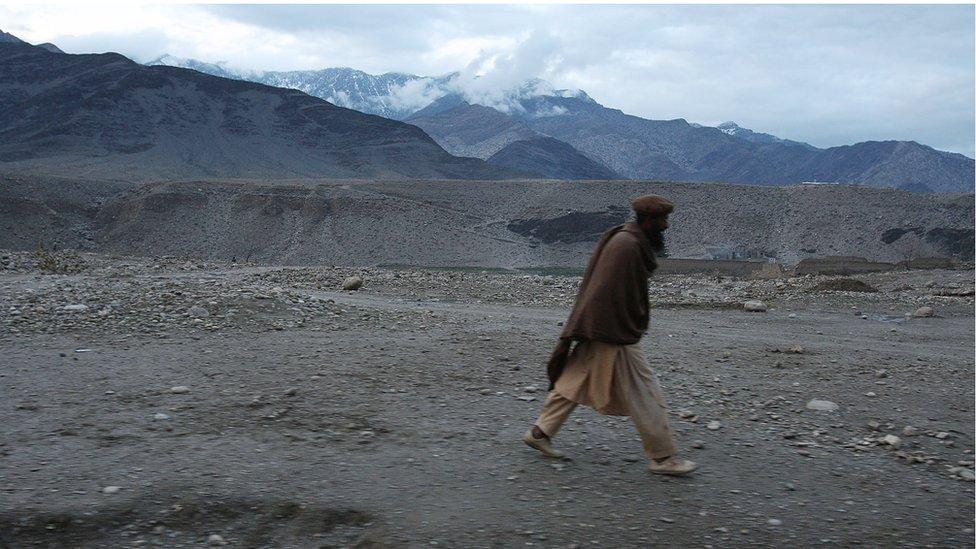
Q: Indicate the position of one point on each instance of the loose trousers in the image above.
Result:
(618, 377)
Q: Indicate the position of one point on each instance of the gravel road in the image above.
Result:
(171, 403)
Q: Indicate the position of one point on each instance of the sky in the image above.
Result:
(828, 75)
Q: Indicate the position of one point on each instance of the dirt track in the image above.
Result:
(391, 416)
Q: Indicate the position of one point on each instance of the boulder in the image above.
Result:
(924, 312)
(822, 405)
(754, 306)
(352, 283)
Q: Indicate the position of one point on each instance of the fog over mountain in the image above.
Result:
(470, 119)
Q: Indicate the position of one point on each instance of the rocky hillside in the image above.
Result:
(473, 223)
(551, 159)
(633, 147)
(464, 129)
(106, 116)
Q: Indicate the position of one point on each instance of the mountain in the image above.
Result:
(464, 129)
(8, 38)
(106, 116)
(631, 146)
(550, 159)
(638, 148)
(50, 47)
(391, 95)
(736, 130)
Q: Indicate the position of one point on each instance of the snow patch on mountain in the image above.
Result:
(392, 95)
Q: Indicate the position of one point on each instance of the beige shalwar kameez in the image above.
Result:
(613, 380)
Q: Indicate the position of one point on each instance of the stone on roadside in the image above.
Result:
(891, 440)
(822, 405)
(754, 306)
(352, 283)
(924, 312)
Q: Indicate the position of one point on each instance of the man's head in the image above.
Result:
(652, 215)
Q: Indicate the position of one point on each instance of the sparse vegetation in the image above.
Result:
(58, 262)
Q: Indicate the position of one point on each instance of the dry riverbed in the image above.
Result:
(174, 403)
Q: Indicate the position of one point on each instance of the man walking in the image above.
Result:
(606, 369)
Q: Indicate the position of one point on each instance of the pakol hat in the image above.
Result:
(652, 204)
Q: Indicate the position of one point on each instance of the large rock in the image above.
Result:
(352, 283)
(924, 312)
(755, 306)
(822, 405)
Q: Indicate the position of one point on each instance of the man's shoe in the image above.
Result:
(543, 445)
(672, 466)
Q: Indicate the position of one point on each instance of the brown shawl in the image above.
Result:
(611, 305)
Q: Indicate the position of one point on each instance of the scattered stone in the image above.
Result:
(698, 444)
(688, 414)
(924, 312)
(714, 425)
(291, 392)
(352, 283)
(111, 489)
(774, 522)
(179, 390)
(822, 405)
(160, 416)
(942, 435)
(77, 307)
(216, 539)
(891, 440)
(198, 312)
(909, 431)
(754, 306)
(967, 474)
(797, 350)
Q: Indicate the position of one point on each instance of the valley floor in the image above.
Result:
(174, 403)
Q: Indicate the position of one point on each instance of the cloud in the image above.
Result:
(416, 94)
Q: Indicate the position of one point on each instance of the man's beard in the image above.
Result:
(657, 240)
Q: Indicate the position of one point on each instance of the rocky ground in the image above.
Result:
(174, 403)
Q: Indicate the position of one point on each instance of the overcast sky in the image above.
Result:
(827, 75)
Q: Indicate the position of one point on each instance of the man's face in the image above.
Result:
(656, 224)
(661, 223)
(654, 228)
